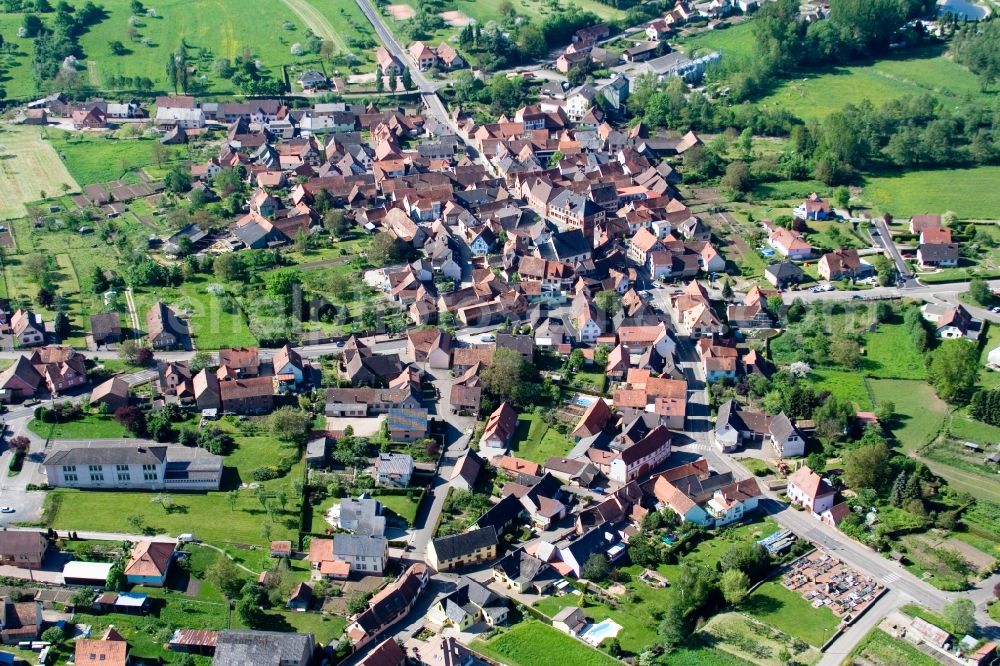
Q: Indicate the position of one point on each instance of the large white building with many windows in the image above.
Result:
(131, 465)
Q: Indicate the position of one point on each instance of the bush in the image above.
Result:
(264, 474)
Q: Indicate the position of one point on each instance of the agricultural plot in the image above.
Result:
(101, 158)
(756, 642)
(971, 193)
(29, 170)
(880, 649)
(817, 94)
(214, 30)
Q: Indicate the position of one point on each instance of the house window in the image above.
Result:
(68, 469)
(69, 478)
(124, 476)
(121, 468)
(97, 477)
(149, 476)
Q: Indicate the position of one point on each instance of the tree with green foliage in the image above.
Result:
(954, 369)
(55, 635)
(961, 615)
(596, 568)
(868, 467)
(502, 377)
(609, 302)
(356, 603)
(116, 578)
(225, 576)
(406, 79)
(980, 292)
(737, 180)
(178, 180)
(734, 585)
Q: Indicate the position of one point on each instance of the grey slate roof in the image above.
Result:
(109, 452)
(357, 545)
(262, 648)
(781, 427)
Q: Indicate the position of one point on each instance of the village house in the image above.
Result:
(813, 208)
(149, 563)
(844, 265)
(27, 328)
(431, 346)
(786, 242)
(388, 606)
(394, 469)
(459, 550)
(468, 604)
(25, 550)
(132, 465)
(106, 328)
(810, 491)
(500, 427)
(163, 328)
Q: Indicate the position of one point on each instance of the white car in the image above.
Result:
(6, 509)
(488, 337)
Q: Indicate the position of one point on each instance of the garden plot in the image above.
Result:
(401, 12)
(456, 19)
(757, 642)
(30, 169)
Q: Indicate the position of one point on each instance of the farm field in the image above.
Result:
(845, 384)
(817, 94)
(101, 157)
(16, 74)
(970, 193)
(224, 36)
(787, 611)
(757, 642)
(29, 170)
(532, 643)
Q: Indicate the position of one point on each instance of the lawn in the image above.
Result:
(403, 506)
(787, 611)
(532, 643)
(817, 94)
(211, 325)
(970, 193)
(919, 413)
(91, 426)
(890, 354)
(537, 441)
(98, 158)
(209, 515)
(29, 170)
(844, 384)
(16, 74)
(736, 41)
(880, 649)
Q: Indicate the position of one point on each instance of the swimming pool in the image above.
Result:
(584, 400)
(596, 633)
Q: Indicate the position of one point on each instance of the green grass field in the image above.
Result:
(733, 42)
(209, 515)
(880, 649)
(784, 609)
(920, 413)
(16, 74)
(92, 426)
(532, 643)
(29, 170)
(817, 94)
(890, 353)
(844, 384)
(537, 441)
(970, 193)
(214, 29)
(100, 158)
(401, 505)
(211, 326)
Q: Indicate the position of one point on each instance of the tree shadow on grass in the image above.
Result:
(762, 604)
